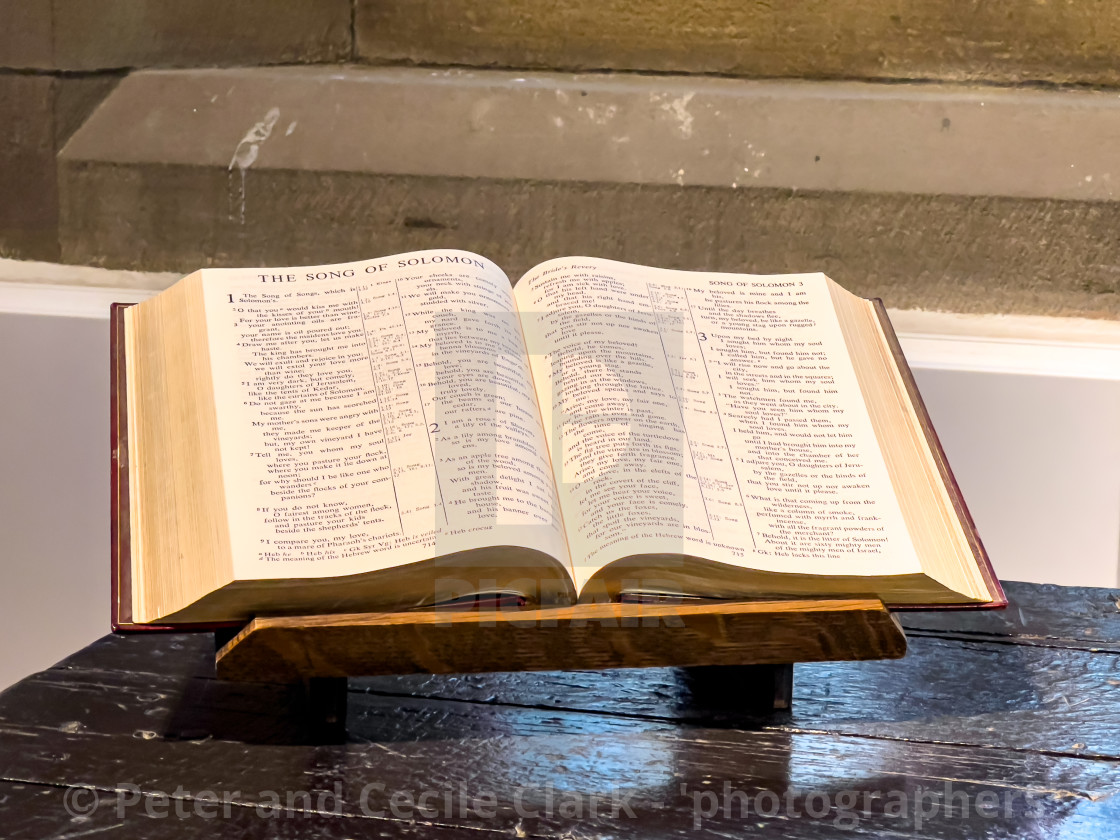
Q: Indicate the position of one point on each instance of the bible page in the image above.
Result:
(709, 415)
(375, 413)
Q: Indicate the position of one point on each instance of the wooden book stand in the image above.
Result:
(762, 638)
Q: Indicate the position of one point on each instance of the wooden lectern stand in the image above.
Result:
(761, 639)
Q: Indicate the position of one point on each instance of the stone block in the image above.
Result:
(37, 114)
(948, 40)
(29, 211)
(25, 34)
(90, 35)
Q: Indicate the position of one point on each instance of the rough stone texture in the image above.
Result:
(953, 253)
(929, 197)
(25, 33)
(84, 35)
(29, 210)
(952, 40)
(38, 113)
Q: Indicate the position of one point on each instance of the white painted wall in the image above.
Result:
(1038, 461)
(1037, 456)
(54, 489)
(1028, 410)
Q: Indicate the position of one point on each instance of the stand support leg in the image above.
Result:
(326, 708)
(324, 700)
(742, 688)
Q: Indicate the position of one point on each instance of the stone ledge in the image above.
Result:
(616, 128)
(930, 197)
(1004, 41)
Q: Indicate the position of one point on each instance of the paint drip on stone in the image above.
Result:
(244, 156)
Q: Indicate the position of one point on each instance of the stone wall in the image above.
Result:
(939, 153)
(60, 58)
(1002, 41)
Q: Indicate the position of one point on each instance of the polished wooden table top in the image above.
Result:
(996, 724)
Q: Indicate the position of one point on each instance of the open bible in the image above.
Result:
(411, 431)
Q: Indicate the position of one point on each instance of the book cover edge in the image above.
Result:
(120, 553)
(995, 588)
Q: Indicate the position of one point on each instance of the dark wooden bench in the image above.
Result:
(994, 724)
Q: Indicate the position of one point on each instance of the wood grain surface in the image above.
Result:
(587, 636)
